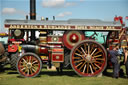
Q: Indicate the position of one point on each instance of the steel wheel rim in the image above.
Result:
(29, 66)
(93, 63)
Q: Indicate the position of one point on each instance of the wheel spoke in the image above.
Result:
(83, 51)
(97, 55)
(76, 58)
(79, 51)
(97, 66)
(87, 67)
(91, 48)
(78, 54)
(24, 60)
(22, 66)
(23, 69)
(29, 58)
(78, 61)
(91, 69)
(79, 64)
(23, 63)
(98, 62)
(36, 65)
(94, 51)
(34, 62)
(33, 69)
(100, 59)
(88, 49)
(28, 72)
(85, 48)
(84, 68)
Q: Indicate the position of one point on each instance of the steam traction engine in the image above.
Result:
(86, 56)
(62, 43)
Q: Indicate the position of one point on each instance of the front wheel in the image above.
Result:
(29, 65)
(88, 58)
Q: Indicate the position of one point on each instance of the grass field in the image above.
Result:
(68, 77)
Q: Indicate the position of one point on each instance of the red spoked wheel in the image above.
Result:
(88, 58)
(29, 65)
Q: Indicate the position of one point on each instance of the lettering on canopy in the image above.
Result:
(63, 27)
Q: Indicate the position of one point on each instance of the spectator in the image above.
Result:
(114, 59)
(126, 61)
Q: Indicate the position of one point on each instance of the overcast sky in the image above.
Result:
(64, 9)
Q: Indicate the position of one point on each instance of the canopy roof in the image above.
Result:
(71, 24)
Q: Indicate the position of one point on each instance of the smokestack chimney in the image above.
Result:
(53, 17)
(26, 17)
(33, 16)
(33, 9)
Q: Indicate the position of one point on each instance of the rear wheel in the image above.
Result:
(13, 61)
(29, 65)
(88, 58)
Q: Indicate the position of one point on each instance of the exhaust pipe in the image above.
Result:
(33, 9)
(33, 16)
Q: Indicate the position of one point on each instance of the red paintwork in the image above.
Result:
(49, 39)
(65, 40)
(16, 40)
(60, 57)
(7, 25)
(121, 19)
(43, 50)
(73, 40)
(49, 58)
(118, 19)
(12, 48)
(57, 50)
(115, 40)
(72, 27)
(110, 47)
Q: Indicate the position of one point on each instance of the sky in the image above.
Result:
(64, 9)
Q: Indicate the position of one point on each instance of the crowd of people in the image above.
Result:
(116, 55)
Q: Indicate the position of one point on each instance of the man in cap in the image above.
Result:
(114, 59)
